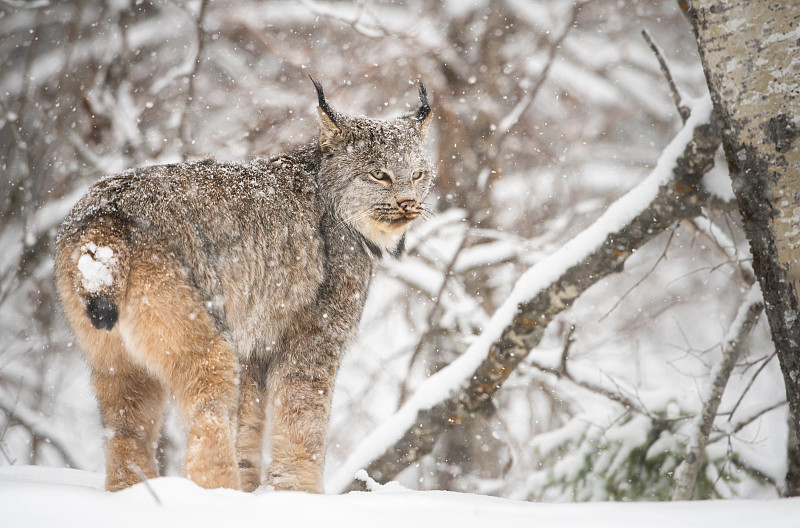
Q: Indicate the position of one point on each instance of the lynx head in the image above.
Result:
(375, 173)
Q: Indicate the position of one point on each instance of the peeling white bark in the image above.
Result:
(751, 57)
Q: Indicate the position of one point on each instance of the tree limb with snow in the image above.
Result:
(672, 192)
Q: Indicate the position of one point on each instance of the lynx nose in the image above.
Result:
(407, 204)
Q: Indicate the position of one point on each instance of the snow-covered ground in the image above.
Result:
(33, 496)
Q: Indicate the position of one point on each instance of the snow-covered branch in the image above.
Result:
(741, 327)
(452, 396)
(369, 28)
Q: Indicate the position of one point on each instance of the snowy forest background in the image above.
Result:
(545, 113)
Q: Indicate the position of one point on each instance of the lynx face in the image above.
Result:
(376, 173)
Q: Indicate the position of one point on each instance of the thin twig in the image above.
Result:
(510, 122)
(139, 473)
(355, 22)
(750, 384)
(11, 460)
(747, 421)
(568, 341)
(445, 53)
(711, 232)
(618, 397)
(757, 473)
(676, 96)
(642, 279)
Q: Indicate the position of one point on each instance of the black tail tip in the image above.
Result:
(102, 312)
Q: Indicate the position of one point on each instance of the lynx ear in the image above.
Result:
(423, 115)
(326, 117)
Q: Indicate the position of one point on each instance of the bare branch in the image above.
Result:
(509, 123)
(568, 341)
(747, 421)
(745, 320)
(145, 480)
(618, 396)
(755, 472)
(725, 248)
(683, 110)
(642, 279)
(356, 22)
(18, 416)
(27, 4)
(750, 384)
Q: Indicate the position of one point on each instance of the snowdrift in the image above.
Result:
(34, 496)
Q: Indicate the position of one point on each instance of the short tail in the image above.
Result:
(102, 311)
(95, 259)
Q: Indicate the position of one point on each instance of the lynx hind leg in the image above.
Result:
(252, 418)
(300, 403)
(168, 328)
(132, 402)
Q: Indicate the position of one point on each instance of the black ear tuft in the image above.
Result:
(323, 104)
(424, 109)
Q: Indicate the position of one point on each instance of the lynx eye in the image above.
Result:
(381, 176)
(417, 175)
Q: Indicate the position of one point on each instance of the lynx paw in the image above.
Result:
(210, 459)
(296, 478)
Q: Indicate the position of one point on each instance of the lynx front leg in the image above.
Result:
(301, 380)
(300, 400)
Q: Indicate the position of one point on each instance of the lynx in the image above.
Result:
(236, 288)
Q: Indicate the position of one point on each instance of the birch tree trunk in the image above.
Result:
(751, 57)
